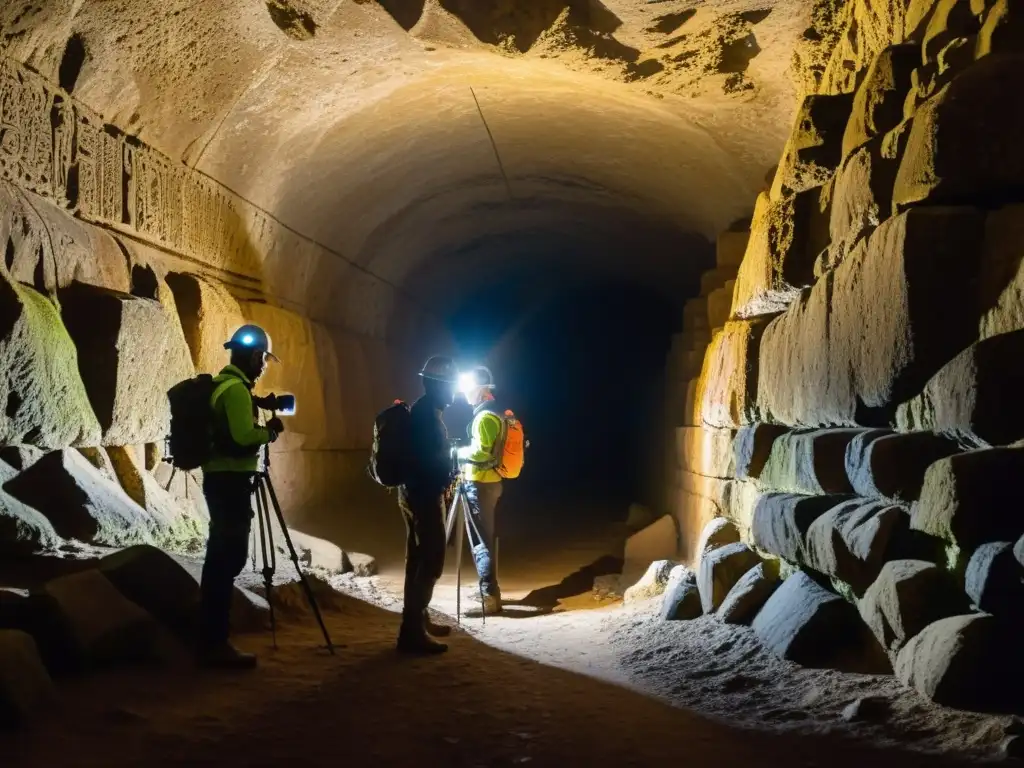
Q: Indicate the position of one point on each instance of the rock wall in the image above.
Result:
(852, 410)
(124, 271)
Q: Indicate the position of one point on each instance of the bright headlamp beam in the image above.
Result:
(466, 383)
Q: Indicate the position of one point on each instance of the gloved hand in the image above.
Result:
(275, 426)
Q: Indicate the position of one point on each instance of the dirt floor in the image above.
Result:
(565, 678)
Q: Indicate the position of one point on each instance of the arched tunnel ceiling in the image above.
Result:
(623, 128)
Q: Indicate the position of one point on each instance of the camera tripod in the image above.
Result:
(263, 491)
(468, 527)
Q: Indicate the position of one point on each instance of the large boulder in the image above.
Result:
(209, 315)
(719, 309)
(717, 533)
(786, 235)
(749, 594)
(23, 530)
(185, 488)
(995, 580)
(651, 584)
(782, 520)
(805, 623)
(45, 402)
(80, 503)
(970, 662)
(878, 102)
(950, 19)
(866, 28)
(752, 446)
(853, 540)
(1002, 275)
(891, 466)
(971, 111)
(973, 498)
(719, 571)
(809, 462)
(1003, 30)
(130, 352)
(815, 147)
(25, 685)
(907, 596)
(681, 600)
(658, 541)
(728, 382)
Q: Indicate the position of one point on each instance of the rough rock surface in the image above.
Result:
(782, 520)
(358, 564)
(80, 503)
(753, 446)
(890, 466)
(907, 596)
(968, 662)
(967, 501)
(681, 600)
(1003, 30)
(728, 383)
(815, 147)
(658, 541)
(719, 571)
(804, 622)
(966, 398)
(749, 594)
(119, 337)
(20, 457)
(1002, 277)
(809, 462)
(22, 528)
(995, 579)
(854, 539)
(705, 451)
(717, 533)
(861, 196)
(45, 403)
(878, 102)
(25, 685)
(651, 584)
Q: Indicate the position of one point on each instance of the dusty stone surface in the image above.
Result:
(949, 20)
(1002, 30)
(651, 584)
(681, 599)
(719, 571)
(20, 457)
(705, 451)
(658, 541)
(729, 380)
(80, 503)
(815, 147)
(749, 594)
(934, 170)
(1002, 282)
(809, 462)
(781, 522)
(717, 533)
(866, 28)
(890, 466)
(23, 530)
(966, 501)
(853, 540)
(995, 579)
(907, 596)
(964, 661)
(730, 248)
(878, 103)
(25, 685)
(753, 446)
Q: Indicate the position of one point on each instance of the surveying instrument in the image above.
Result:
(263, 492)
(459, 508)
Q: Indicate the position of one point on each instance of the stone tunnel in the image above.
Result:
(802, 220)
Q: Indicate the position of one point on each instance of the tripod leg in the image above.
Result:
(310, 597)
(473, 532)
(266, 542)
(458, 508)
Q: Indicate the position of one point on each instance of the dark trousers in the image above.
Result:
(424, 552)
(229, 498)
(483, 506)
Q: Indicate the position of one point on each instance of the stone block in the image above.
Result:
(705, 451)
(971, 111)
(651, 584)
(853, 540)
(691, 406)
(658, 541)
(185, 488)
(358, 564)
(45, 402)
(1002, 30)
(782, 520)
(695, 314)
(786, 235)
(878, 102)
(809, 462)
(805, 623)
(885, 465)
(728, 383)
(130, 352)
(752, 447)
(995, 579)
(739, 503)
(317, 553)
(718, 532)
(713, 279)
(80, 503)
(950, 19)
(25, 685)
(815, 147)
(973, 498)
(20, 457)
(23, 530)
(729, 249)
(907, 596)
(681, 600)
(1001, 285)
(209, 315)
(720, 304)
(749, 594)
(968, 662)
(719, 571)
(861, 197)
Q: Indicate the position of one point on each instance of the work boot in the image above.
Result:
(418, 642)
(434, 629)
(225, 656)
(490, 605)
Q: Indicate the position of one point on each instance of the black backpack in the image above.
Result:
(191, 438)
(390, 455)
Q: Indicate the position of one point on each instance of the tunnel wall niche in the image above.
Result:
(842, 397)
(127, 271)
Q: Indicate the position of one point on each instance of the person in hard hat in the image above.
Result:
(422, 501)
(482, 481)
(228, 478)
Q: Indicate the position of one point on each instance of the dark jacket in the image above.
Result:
(431, 470)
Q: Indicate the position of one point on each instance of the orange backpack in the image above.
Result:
(510, 447)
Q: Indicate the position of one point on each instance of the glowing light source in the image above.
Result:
(466, 383)
(247, 339)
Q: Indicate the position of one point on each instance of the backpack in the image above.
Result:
(510, 447)
(190, 441)
(390, 459)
